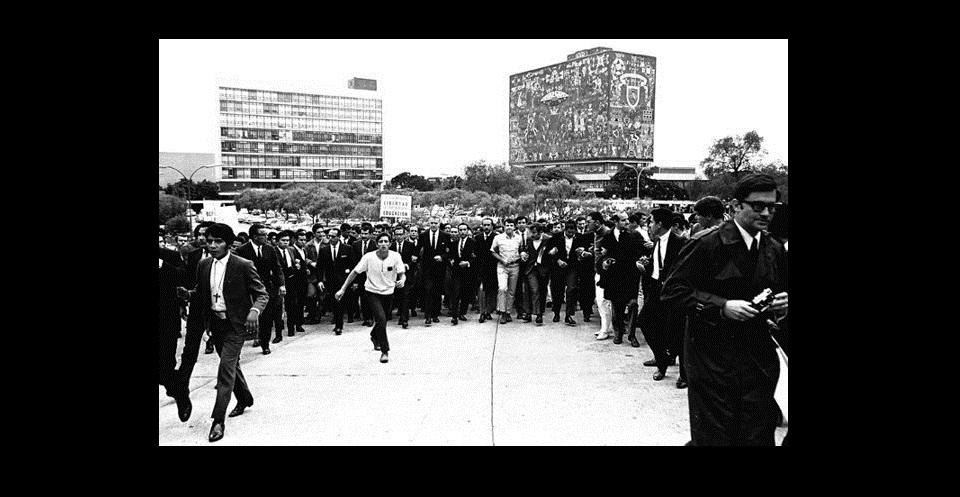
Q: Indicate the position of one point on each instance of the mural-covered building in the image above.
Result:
(593, 113)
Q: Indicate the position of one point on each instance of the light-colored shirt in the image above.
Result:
(509, 247)
(536, 247)
(661, 252)
(568, 242)
(747, 239)
(382, 275)
(218, 271)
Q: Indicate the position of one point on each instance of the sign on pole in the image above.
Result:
(397, 206)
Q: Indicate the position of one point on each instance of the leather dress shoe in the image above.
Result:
(300, 329)
(277, 339)
(462, 317)
(453, 321)
(383, 357)
(539, 319)
(634, 342)
(337, 331)
(505, 318)
(376, 346)
(659, 375)
(238, 410)
(266, 351)
(528, 318)
(349, 320)
(291, 333)
(483, 317)
(569, 321)
(427, 322)
(436, 319)
(256, 342)
(586, 318)
(184, 407)
(216, 431)
(681, 383)
(404, 325)
(556, 318)
(651, 363)
(618, 338)
(367, 323)
(208, 350)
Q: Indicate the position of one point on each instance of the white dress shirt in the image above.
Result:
(536, 248)
(661, 252)
(218, 272)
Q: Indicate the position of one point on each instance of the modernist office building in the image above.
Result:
(593, 113)
(270, 137)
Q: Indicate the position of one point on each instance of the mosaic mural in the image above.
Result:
(599, 106)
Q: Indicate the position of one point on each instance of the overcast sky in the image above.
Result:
(445, 102)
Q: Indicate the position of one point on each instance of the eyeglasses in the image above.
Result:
(759, 206)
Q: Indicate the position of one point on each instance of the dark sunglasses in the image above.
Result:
(759, 206)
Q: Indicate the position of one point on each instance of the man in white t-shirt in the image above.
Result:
(385, 272)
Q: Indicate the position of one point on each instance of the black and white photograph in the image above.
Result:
(473, 242)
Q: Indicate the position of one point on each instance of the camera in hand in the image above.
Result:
(763, 300)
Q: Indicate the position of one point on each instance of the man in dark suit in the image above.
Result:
(586, 288)
(521, 297)
(295, 275)
(407, 249)
(195, 320)
(171, 275)
(267, 263)
(660, 325)
(486, 269)
(360, 247)
(462, 267)
(233, 297)
(433, 256)
(536, 272)
(731, 360)
(299, 246)
(336, 261)
(619, 266)
(563, 279)
(313, 248)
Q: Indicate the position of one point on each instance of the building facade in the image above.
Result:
(270, 137)
(593, 113)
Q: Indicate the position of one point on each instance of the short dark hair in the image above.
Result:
(755, 183)
(254, 229)
(711, 207)
(300, 232)
(509, 220)
(284, 233)
(242, 236)
(595, 216)
(680, 220)
(525, 218)
(366, 227)
(400, 227)
(636, 217)
(570, 225)
(463, 224)
(581, 218)
(203, 224)
(383, 235)
(271, 235)
(316, 227)
(663, 216)
(536, 228)
(344, 228)
(334, 228)
(221, 231)
(542, 220)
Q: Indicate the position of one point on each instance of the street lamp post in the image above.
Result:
(189, 182)
(637, 168)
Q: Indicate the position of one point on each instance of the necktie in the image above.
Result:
(286, 260)
(400, 248)
(754, 250)
(523, 240)
(460, 250)
(433, 240)
(259, 255)
(659, 266)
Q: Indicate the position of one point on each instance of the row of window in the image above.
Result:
(315, 161)
(298, 174)
(298, 136)
(298, 98)
(298, 148)
(302, 123)
(301, 111)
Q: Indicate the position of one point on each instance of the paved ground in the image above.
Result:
(473, 384)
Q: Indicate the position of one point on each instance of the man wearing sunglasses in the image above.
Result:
(731, 362)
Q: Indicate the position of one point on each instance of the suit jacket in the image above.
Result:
(335, 271)
(171, 274)
(409, 250)
(622, 279)
(295, 278)
(560, 243)
(312, 256)
(652, 287)
(430, 267)
(485, 259)
(242, 290)
(547, 261)
(468, 255)
(268, 266)
(358, 254)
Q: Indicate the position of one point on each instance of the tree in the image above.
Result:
(624, 185)
(170, 206)
(723, 186)
(341, 209)
(451, 182)
(543, 176)
(556, 194)
(496, 179)
(178, 224)
(735, 155)
(411, 181)
(204, 190)
(498, 205)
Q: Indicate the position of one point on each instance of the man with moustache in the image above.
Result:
(462, 259)
(434, 244)
(267, 262)
(732, 364)
(486, 269)
(295, 274)
(537, 272)
(406, 248)
(335, 262)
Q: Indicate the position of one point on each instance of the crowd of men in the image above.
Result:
(674, 278)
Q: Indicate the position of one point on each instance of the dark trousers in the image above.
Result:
(340, 306)
(620, 307)
(661, 329)
(294, 303)
(563, 283)
(521, 295)
(586, 291)
(167, 361)
(378, 305)
(191, 344)
(228, 344)
(432, 293)
(537, 280)
(268, 318)
(278, 315)
(487, 279)
(460, 291)
(407, 295)
(448, 289)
